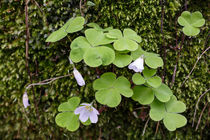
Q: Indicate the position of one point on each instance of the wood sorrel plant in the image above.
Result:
(102, 47)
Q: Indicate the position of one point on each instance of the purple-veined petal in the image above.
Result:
(95, 111)
(84, 116)
(79, 110)
(93, 117)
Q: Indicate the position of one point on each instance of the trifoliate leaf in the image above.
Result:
(125, 44)
(122, 60)
(154, 81)
(71, 26)
(78, 47)
(191, 22)
(71, 105)
(67, 118)
(144, 95)
(138, 79)
(131, 34)
(109, 89)
(168, 112)
(97, 56)
(97, 37)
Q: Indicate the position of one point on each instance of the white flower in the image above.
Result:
(78, 77)
(137, 65)
(25, 100)
(87, 111)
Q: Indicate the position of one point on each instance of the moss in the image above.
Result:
(50, 60)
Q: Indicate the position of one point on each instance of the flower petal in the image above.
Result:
(78, 77)
(79, 110)
(137, 65)
(25, 100)
(93, 117)
(95, 111)
(84, 116)
(86, 104)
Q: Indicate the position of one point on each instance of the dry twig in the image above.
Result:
(47, 81)
(197, 106)
(145, 126)
(199, 120)
(187, 77)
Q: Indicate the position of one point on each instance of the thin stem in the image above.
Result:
(145, 126)
(47, 81)
(187, 77)
(80, 8)
(163, 38)
(157, 126)
(177, 60)
(197, 106)
(201, 116)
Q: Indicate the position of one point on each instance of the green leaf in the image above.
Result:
(130, 34)
(163, 93)
(191, 22)
(97, 27)
(168, 112)
(122, 60)
(88, 122)
(144, 95)
(139, 52)
(138, 79)
(71, 105)
(106, 81)
(74, 24)
(96, 37)
(78, 47)
(154, 81)
(157, 111)
(149, 72)
(115, 33)
(90, 3)
(71, 26)
(154, 62)
(173, 121)
(110, 89)
(67, 120)
(97, 56)
(109, 97)
(175, 106)
(125, 44)
(56, 35)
